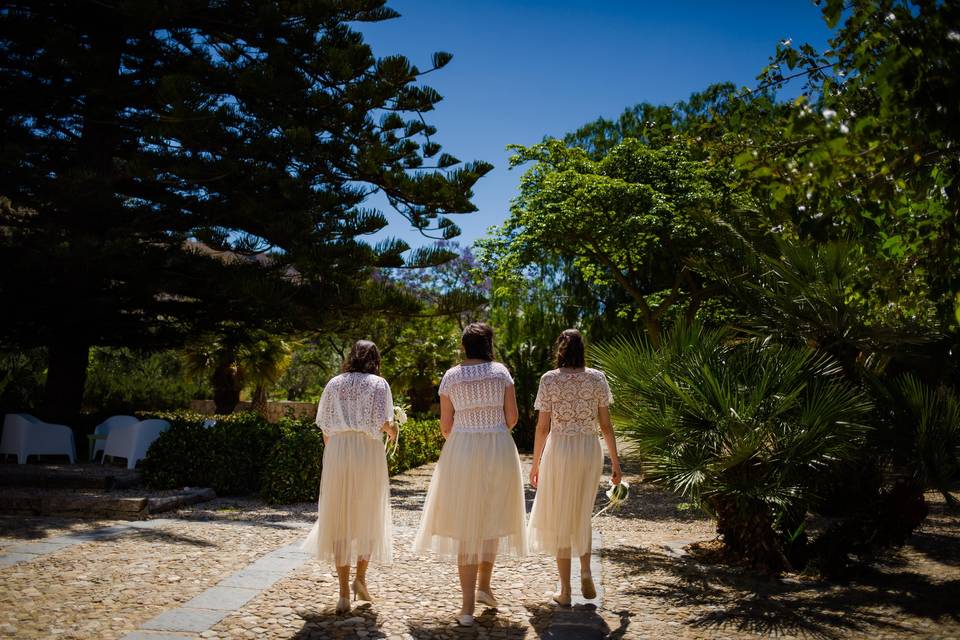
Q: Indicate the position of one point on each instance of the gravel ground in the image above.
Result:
(105, 589)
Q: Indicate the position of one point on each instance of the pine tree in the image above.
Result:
(167, 167)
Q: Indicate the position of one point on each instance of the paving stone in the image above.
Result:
(251, 579)
(184, 619)
(39, 548)
(276, 564)
(9, 559)
(157, 635)
(224, 598)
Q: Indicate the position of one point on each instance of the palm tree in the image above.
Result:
(741, 428)
(933, 417)
(235, 357)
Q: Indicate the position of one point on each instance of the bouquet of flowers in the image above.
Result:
(399, 419)
(617, 494)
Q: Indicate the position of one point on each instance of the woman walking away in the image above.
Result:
(475, 507)
(567, 460)
(353, 515)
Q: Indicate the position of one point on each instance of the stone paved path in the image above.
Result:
(232, 569)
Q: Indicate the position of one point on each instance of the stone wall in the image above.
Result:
(275, 410)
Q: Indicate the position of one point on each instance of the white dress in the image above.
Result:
(474, 508)
(572, 461)
(353, 514)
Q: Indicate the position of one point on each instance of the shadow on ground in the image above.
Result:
(729, 598)
(551, 621)
(329, 624)
(486, 625)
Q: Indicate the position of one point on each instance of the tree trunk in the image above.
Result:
(226, 387)
(259, 403)
(66, 378)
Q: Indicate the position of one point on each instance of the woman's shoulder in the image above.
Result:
(596, 373)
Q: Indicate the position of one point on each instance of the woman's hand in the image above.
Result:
(616, 474)
(534, 475)
(392, 433)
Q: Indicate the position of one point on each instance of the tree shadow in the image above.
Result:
(485, 625)
(329, 624)
(939, 547)
(158, 536)
(724, 597)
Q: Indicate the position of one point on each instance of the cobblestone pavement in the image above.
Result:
(230, 568)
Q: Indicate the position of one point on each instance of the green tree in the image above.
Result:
(632, 218)
(169, 168)
(867, 153)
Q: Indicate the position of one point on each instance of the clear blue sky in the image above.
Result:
(523, 69)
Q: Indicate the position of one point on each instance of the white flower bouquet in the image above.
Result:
(399, 419)
(617, 494)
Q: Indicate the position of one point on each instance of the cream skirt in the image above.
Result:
(569, 476)
(353, 515)
(475, 507)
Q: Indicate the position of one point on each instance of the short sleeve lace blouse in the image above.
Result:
(573, 399)
(355, 402)
(476, 391)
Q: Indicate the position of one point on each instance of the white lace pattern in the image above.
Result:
(573, 399)
(355, 402)
(476, 391)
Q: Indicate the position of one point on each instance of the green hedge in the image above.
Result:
(243, 454)
(420, 443)
(229, 457)
(293, 469)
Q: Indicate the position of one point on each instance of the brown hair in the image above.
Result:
(364, 358)
(477, 341)
(569, 349)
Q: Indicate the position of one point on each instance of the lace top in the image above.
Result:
(355, 402)
(573, 399)
(476, 391)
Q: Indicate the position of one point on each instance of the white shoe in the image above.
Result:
(466, 620)
(487, 598)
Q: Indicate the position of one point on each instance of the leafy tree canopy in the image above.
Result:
(168, 167)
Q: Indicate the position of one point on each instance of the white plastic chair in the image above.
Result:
(132, 441)
(25, 435)
(104, 428)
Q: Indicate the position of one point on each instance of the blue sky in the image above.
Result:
(523, 69)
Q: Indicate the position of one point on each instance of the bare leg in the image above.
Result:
(343, 577)
(563, 569)
(485, 572)
(585, 564)
(362, 564)
(587, 588)
(468, 584)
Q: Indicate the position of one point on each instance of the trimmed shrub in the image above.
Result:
(292, 473)
(229, 457)
(420, 443)
(243, 454)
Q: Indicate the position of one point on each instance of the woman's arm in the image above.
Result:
(608, 436)
(510, 412)
(446, 416)
(543, 430)
(390, 429)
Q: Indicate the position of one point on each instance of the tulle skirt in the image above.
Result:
(474, 509)
(353, 514)
(569, 476)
